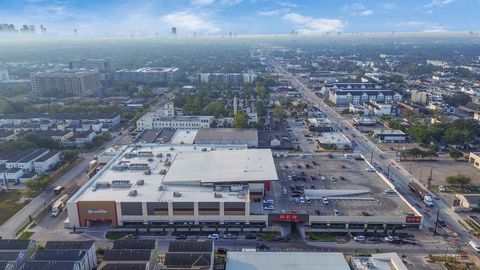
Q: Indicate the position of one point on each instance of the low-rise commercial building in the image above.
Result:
(152, 121)
(334, 140)
(227, 136)
(227, 78)
(174, 183)
(389, 135)
(379, 261)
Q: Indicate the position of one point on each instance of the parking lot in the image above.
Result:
(300, 136)
(327, 173)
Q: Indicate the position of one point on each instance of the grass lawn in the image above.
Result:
(25, 235)
(320, 236)
(9, 204)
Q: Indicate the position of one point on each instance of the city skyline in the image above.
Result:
(251, 17)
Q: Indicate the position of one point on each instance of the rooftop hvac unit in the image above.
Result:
(218, 195)
(147, 172)
(121, 183)
(177, 194)
(159, 155)
(102, 184)
(132, 193)
(235, 188)
(140, 182)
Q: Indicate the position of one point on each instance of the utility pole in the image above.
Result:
(371, 158)
(436, 223)
(429, 180)
(388, 171)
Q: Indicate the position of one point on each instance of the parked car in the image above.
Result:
(317, 212)
(336, 212)
(359, 238)
(250, 236)
(325, 201)
(441, 188)
(307, 200)
(230, 236)
(323, 178)
(284, 191)
(213, 236)
(181, 236)
(366, 214)
(302, 200)
(369, 169)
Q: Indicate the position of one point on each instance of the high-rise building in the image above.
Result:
(174, 30)
(66, 83)
(103, 66)
(4, 75)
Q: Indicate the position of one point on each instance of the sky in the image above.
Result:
(219, 17)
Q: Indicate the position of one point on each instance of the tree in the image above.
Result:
(240, 120)
(279, 112)
(455, 154)
(260, 108)
(457, 99)
(214, 124)
(458, 180)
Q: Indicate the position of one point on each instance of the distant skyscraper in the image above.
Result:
(31, 28)
(75, 32)
(174, 30)
(43, 29)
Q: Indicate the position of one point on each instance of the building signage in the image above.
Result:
(413, 219)
(288, 218)
(97, 211)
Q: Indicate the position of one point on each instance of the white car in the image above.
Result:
(359, 238)
(323, 178)
(214, 236)
(388, 239)
(307, 200)
(474, 245)
(325, 201)
(335, 212)
(441, 188)
(370, 169)
(289, 178)
(302, 200)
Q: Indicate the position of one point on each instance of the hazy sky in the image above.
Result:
(146, 17)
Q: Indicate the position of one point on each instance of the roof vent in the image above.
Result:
(177, 194)
(121, 183)
(132, 193)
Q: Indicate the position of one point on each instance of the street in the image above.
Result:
(369, 149)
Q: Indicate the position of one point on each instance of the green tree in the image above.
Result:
(458, 180)
(455, 154)
(260, 108)
(279, 112)
(240, 120)
(457, 99)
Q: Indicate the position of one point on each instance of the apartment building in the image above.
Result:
(227, 78)
(65, 82)
(342, 94)
(148, 75)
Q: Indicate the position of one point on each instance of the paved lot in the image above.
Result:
(355, 177)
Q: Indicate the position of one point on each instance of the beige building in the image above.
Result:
(474, 159)
(68, 83)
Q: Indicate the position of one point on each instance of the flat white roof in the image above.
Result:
(184, 136)
(332, 138)
(190, 166)
(250, 260)
(223, 166)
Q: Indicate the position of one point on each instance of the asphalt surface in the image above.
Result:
(401, 176)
